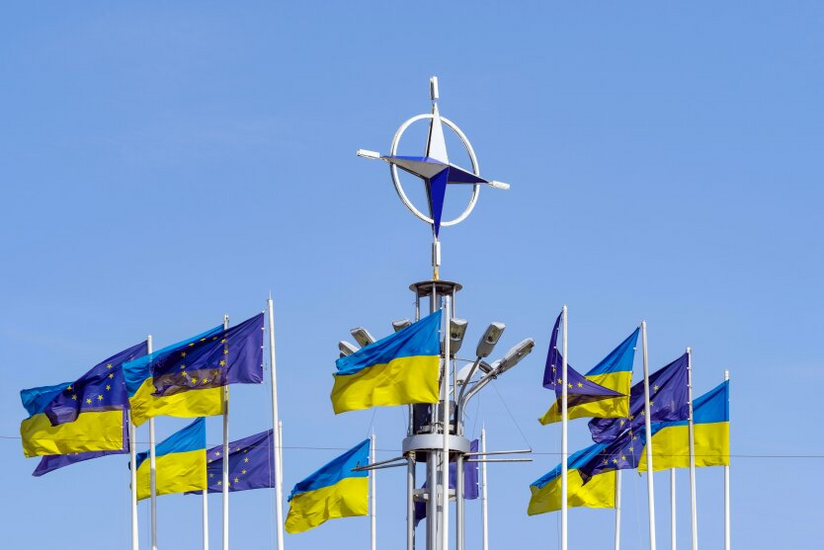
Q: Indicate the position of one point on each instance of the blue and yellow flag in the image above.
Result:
(669, 401)
(598, 493)
(614, 373)
(400, 369)
(251, 464)
(334, 491)
(140, 386)
(86, 415)
(180, 463)
(711, 427)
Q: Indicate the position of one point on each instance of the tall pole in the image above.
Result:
(410, 500)
(445, 453)
(152, 465)
(617, 509)
(693, 499)
(484, 499)
(648, 432)
(673, 530)
(727, 493)
(564, 442)
(133, 479)
(225, 456)
(205, 499)
(276, 425)
(373, 513)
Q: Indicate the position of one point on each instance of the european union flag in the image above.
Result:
(251, 464)
(580, 390)
(624, 453)
(231, 356)
(669, 401)
(471, 490)
(103, 388)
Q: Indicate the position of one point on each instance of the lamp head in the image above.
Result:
(362, 336)
(489, 339)
(346, 348)
(514, 355)
(457, 330)
(400, 325)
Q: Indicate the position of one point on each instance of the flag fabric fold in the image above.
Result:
(140, 386)
(711, 427)
(232, 356)
(50, 463)
(251, 464)
(401, 369)
(599, 393)
(669, 401)
(333, 491)
(180, 463)
(598, 493)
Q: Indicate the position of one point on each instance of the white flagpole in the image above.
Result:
(205, 499)
(564, 442)
(276, 427)
(693, 498)
(445, 456)
(617, 509)
(373, 513)
(152, 466)
(225, 456)
(727, 493)
(484, 505)
(648, 432)
(133, 479)
(673, 529)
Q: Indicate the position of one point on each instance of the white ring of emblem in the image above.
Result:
(393, 170)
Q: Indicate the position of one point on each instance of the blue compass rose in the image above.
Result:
(434, 167)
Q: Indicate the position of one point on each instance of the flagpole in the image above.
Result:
(693, 499)
(373, 516)
(648, 432)
(445, 455)
(205, 499)
(484, 505)
(133, 479)
(276, 431)
(727, 492)
(617, 509)
(225, 456)
(564, 442)
(152, 465)
(673, 530)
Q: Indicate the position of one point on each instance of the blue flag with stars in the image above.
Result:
(103, 388)
(251, 464)
(669, 401)
(232, 356)
(624, 453)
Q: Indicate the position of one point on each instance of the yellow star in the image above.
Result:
(631, 449)
(237, 450)
(211, 475)
(215, 373)
(194, 380)
(632, 417)
(570, 385)
(74, 398)
(88, 401)
(245, 451)
(655, 388)
(560, 380)
(634, 437)
(109, 366)
(220, 483)
(222, 363)
(203, 339)
(225, 351)
(246, 459)
(243, 472)
(580, 385)
(205, 381)
(223, 341)
(209, 461)
(643, 413)
(111, 375)
(108, 387)
(237, 480)
(214, 338)
(183, 354)
(191, 344)
(615, 461)
(100, 398)
(217, 453)
(182, 367)
(606, 461)
(623, 422)
(228, 483)
(69, 388)
(651, 403)
(623, 457)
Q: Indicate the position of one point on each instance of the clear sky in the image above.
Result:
(162, 165)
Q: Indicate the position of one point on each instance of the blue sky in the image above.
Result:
(165, 164)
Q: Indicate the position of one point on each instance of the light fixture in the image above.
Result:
(367, 154)
(514, 356)
(489, 339)
(400, 325)
(457, 330)
(362, 336)
(347, 348)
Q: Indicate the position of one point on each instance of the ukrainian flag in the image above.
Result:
(599, 492)
(180, 463)
(334, 491)
(140, 387)
(671, 443)
(613, 372)
(92, 431)
(400, 369)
